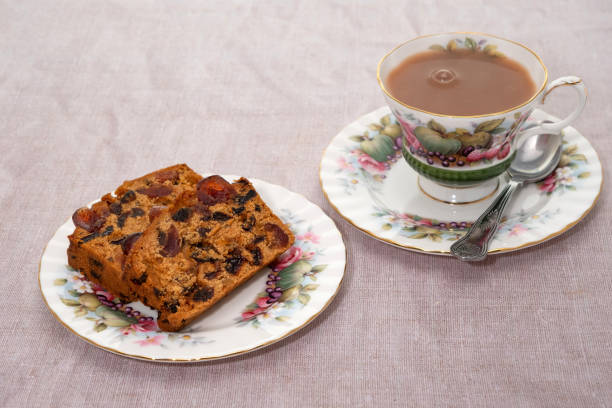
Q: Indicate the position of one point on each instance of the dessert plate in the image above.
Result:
(384, 199)
(247, 319)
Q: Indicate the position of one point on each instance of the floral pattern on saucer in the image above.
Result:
(567, 176)
(372, 154)
(362, 177)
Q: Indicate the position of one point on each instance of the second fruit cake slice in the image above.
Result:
(209, 242)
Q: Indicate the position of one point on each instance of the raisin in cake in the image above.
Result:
(107, 231)
(208, 243)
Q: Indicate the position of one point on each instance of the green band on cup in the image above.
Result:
(454, 177)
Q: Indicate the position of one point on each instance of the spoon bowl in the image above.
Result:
(536, 158)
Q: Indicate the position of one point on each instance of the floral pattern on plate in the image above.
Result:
(291, 280)
(106, 312)
(227, 329)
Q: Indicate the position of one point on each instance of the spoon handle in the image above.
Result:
(473, 246)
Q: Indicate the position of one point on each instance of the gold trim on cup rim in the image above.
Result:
(542, 87)
(195, 360)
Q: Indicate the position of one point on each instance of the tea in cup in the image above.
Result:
(461, 100)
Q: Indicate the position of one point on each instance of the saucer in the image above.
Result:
(386, 199)
(245, 320)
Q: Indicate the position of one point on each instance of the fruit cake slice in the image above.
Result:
(106, 232)
(209, 242)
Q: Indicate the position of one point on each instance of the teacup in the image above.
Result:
(472, 173)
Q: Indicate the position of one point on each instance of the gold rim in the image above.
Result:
(194, 360)
(461, 203)
(429, 251)
(557, 86)
(382, 85)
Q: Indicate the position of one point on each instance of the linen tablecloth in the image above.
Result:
(92, 93)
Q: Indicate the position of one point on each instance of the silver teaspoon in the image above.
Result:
(535, 159)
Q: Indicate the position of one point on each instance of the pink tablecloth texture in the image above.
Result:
(92, 93)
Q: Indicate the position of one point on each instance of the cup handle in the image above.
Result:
(557, 127)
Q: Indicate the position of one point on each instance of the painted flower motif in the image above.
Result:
(151, 341)
(345, 165)
(476, 155)
(308, 255)
(290, 284)
(563, 172)
(76, 276)
(99, 290)
(491, 153)
(409, 133)
(309, 236)
(503, 151)
(564, 176)
(146, 326)
(371, 165)
(423, 222)
(262, 302)
(405, 217)
(549, 184)
(408, 219)
(109, 296)
(249, 314)
(517, 230)
(79, 282)
(141, 327)
(290, 256)
(82, 286)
